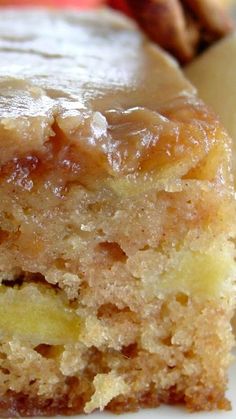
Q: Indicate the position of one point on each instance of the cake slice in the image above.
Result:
(117, 216)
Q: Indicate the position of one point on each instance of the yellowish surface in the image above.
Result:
(199, 274)
(107, 386)
(41, 317)
(207, 274)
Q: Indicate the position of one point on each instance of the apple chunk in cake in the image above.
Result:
(117, 218)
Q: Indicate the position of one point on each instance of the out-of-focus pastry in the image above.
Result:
(182, 27)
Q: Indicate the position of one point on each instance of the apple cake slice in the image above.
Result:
(117, 220)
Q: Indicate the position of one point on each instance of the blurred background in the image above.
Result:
(53, 3)
(78, 3)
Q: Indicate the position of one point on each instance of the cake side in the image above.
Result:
(117, 208)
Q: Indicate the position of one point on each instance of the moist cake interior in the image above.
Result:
(117, 223)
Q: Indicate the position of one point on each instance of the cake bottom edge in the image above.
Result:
(15, 405)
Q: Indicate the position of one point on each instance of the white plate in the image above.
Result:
(165, 412)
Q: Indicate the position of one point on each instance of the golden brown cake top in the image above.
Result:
(88, 93)
(95, 59)
(52, 62)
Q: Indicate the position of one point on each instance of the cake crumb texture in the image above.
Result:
(117, 256)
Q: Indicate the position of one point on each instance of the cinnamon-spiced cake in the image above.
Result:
(117, 216)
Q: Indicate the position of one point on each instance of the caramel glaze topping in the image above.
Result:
(96, 100)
